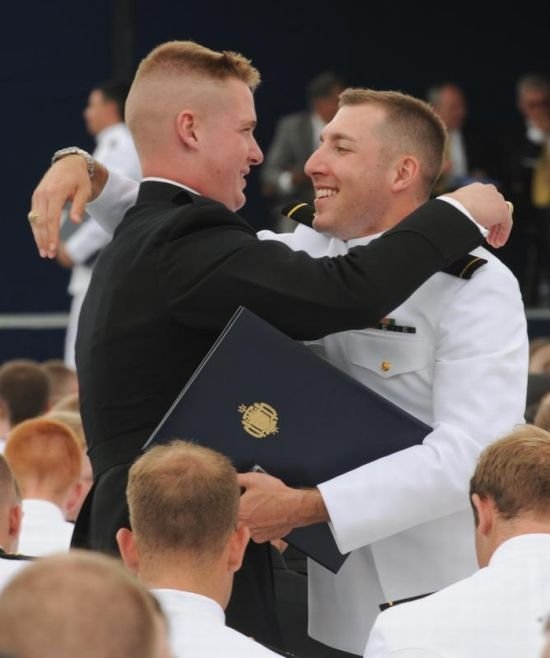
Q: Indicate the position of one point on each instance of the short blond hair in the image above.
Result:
(409, 125)
(78, 605)
(190, 58)
(46, 451)
(183, 497)
(515, 473)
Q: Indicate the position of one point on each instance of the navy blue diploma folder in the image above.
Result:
(266, 400)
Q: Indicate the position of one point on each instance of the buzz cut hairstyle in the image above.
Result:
(410, 125)
(188, 57)
(44, 449)
(183, 497)
(515, 473)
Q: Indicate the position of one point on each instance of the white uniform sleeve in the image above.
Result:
(118, 195)
(459, 206)
(479, 388)
(86, 241)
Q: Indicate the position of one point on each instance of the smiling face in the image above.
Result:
(351, 172)
(225, 129)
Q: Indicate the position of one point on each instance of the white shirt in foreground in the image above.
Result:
(43, 530)
(197, 628)
(499, 612)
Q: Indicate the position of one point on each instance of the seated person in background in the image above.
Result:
(468, 155)
(24, 393)
(46, 459)
(10, 524)
(296, 137)
(186, 545)
(498, 611)
(74, 421)
(80, 605)
(63, 380)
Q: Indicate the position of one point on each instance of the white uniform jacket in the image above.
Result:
(407, 517)
(43, 529)
(499, 612)
(197, 628)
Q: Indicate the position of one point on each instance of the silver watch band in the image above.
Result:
(74, 150)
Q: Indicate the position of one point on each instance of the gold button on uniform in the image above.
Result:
(385, 366)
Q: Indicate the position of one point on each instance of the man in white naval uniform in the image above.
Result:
(463, 371)
(454, 355)
(104, 117)
(499, 611)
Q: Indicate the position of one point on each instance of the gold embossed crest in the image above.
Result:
(259, 419)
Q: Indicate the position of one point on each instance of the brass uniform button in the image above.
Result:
(385, 366)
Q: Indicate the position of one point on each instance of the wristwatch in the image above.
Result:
(74, 150)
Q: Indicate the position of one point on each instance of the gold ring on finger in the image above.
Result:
(32, 216)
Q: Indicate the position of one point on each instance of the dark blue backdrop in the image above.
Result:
(54, 52)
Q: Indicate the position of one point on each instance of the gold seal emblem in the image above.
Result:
(259, 419)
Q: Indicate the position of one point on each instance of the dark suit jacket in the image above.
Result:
(290, 149)
(177, 268)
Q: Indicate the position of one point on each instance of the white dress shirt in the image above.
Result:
(43, 529)
(197, 628)
(499, 612)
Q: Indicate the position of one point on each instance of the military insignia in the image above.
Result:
(259, 419)
(464, 268)
(389, 324)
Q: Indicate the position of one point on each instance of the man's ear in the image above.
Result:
(486, 512)
(186, 126)
(406, 172)
(15, 517)
(128, 549)
(237, 545)
(75, 498)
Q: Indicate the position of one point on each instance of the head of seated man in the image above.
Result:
(47, 460)
(186, 544)
(184, 500)
(24, 393)
(81, 605)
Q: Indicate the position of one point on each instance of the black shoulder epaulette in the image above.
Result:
(391, 604)
(463, 268)
(14, 556)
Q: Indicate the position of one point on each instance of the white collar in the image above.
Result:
(532, 543)
(45, 508)
(180, 600)
(159, 179)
